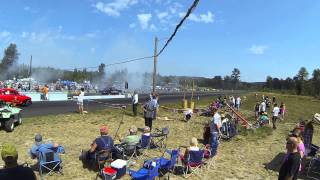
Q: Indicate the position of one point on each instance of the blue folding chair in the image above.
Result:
(145, 142)
(168, 165)
(149, 171)
(193, 162)
(49, 160)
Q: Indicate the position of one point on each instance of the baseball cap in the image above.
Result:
(38, 138)
(8, 150)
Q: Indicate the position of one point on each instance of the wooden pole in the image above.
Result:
(155, 58)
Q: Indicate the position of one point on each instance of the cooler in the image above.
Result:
(108, 173)
(120, 166)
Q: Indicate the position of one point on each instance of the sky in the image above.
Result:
(259, 37)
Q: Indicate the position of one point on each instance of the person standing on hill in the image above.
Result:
(135, 102)
(80, 100)
(262, 107)
(275, 114)
(238, 102)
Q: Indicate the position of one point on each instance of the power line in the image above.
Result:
(193, 6)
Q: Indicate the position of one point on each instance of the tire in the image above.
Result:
(9, 125)
(18, 120)
(27, 102)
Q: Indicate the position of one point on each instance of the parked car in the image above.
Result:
(11, 96)
(110, 91)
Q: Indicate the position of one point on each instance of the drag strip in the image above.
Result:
(63, 107)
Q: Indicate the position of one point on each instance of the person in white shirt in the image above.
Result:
(80, 100)
(135, 101)
(275, 114)
(262, 107)
(238, 102)
(188, 114)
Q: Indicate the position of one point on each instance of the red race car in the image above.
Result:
(14, 97)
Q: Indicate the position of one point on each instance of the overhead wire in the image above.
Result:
(190, 10)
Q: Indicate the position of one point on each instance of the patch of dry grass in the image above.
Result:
(244, 157)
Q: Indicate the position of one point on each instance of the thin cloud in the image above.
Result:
(115, 7)
(132, 25)
(4, 34)
(162, 15)
(203, 18)
(144, 20)
(258, 49)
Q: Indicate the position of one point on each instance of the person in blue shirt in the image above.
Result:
(39, 146)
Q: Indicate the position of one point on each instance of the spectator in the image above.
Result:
(80, 100)
(282, 110)
(45, 91)
(34, 152)
(238, 102)
(149, 110)
(290, 167)
(256, 110)
(262, 107)
(275, 114)
(193, 147)
(188, 114)
(132, 138)
(146, 131)
(215, 126)
(104, 142)
(13, 171)
(273, 100)
(135, 103)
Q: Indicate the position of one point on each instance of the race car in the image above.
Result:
(11, 96)
(110, 91)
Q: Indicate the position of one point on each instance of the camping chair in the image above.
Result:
(159, 139)
(145, 142)
(49, 161)
(168, 165)
(129, 150)
(149, 171)
(314, 165)
(102, 157)
(193, 163)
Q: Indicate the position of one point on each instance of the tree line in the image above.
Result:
(300, 84)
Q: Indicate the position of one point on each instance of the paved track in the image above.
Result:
(63, 107)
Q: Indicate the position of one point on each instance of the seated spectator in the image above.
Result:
(104, 142)
(264, 119)
(34, 152)
(12, 170)
(132, 138)
(193, 147)
(146, 131)
(188, 114)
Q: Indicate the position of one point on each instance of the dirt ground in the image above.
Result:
(244, 157)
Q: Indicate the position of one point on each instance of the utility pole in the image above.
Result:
(155, 58)
(30, 70)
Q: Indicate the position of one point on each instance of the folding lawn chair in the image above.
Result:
(49, 160)
(193, 163)
(102, 157)
(168, 165)
(130, 150)
(159, 139)
(145, 142)
(149, 171)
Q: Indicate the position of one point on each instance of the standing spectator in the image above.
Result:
(262, 107)
(12, 170)
(149, 110)
(256, 110)
(45, 92)
(215, 126)
(135, 103)
(290, 167)
(282, 110)
(233, 101)
(80, 101)
(273, 100)
(238, 102)
(275, 114)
